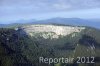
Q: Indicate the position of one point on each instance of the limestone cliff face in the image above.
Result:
(52, 31)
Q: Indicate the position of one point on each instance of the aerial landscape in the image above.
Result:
(49, 33)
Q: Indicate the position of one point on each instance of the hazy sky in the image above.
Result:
(42, 9)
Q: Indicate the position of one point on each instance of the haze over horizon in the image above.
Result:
(12, 10)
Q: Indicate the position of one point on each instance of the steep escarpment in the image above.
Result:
(52, 31)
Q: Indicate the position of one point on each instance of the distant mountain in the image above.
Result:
(10, 25)
(23, 21)
(66, 21)
(96, 20)
(71, 21)
(17, 23)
